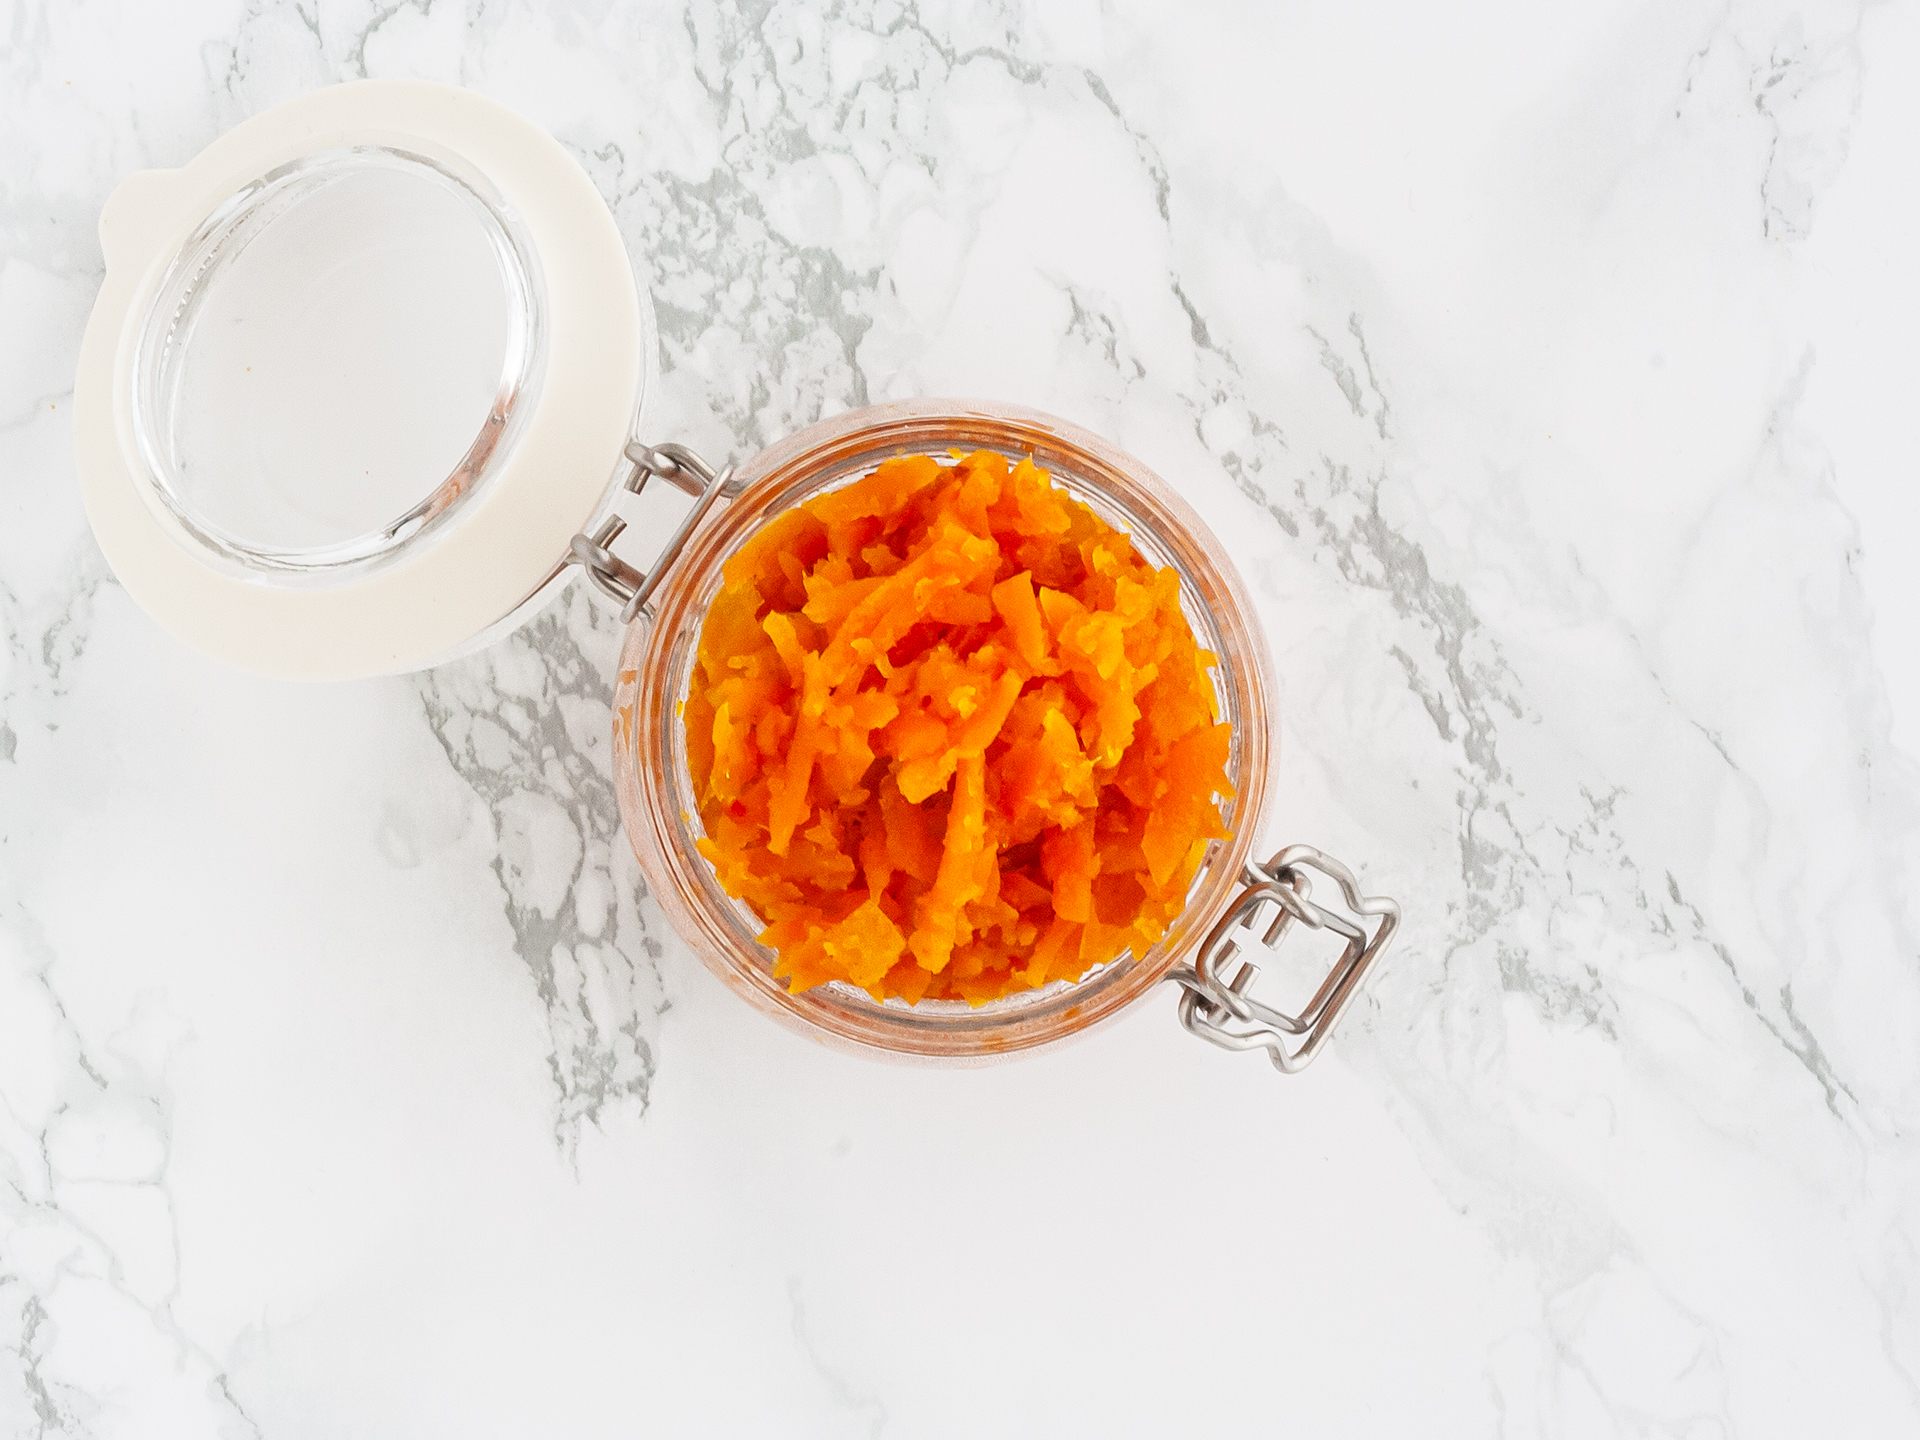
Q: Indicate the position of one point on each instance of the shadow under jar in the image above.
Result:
(661, 811)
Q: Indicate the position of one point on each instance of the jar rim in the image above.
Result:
(656, 812)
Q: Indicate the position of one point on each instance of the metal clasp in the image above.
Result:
(683, 470)
(1222, 1013)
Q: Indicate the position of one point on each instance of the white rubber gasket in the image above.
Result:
(486, 561)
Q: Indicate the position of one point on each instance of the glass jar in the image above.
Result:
(661, 811)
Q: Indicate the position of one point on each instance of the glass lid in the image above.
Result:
(358, 373)
(337, 359)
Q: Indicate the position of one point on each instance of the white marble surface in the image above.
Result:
(1549, 372)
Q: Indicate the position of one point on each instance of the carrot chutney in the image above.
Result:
(950, 735)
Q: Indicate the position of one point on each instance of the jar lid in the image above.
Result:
(357, 374)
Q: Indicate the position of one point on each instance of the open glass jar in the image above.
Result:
(660, 809)
(661, 812)
(360, 389)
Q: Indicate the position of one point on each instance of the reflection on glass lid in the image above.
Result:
(335, 360)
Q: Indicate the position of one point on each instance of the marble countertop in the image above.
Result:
(1547, 371)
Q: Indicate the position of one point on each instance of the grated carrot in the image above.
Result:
(952, 737)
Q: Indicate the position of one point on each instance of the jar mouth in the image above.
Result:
(653, 781)
(337, 360)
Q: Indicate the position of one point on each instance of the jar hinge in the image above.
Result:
(685, 471)
(1221, 1012)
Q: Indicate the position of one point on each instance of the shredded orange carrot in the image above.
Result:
(951, 736)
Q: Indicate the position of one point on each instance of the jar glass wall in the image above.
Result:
(661, 812)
